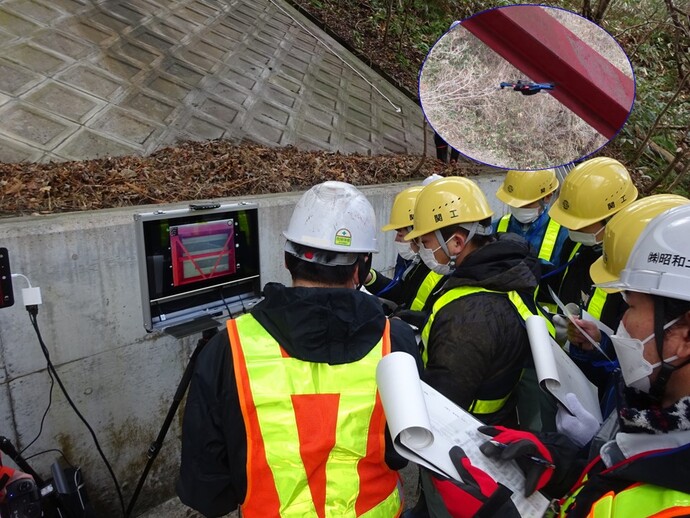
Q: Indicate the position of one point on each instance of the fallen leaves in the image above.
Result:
(195, 171)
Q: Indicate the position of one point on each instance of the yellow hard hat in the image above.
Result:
(622, 232)
(593, 191)
(521, 188)
(449, 201)
(402, 211)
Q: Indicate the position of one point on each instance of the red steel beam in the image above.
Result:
(542, 48)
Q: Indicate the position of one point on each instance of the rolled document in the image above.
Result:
(404, 407)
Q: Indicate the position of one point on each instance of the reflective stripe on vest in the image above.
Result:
(503, 223)
(637, 500)
(425, 289)
(641, 500)
(548, 241)
(315, 432)
(478, 406)
(595, 304)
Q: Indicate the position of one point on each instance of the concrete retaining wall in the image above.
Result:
(121, 378)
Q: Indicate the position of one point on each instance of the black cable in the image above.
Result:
(33, 311)
(62, 453)
(50, 402)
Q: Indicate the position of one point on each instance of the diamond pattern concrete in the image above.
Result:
(82, 79)
(33, 126)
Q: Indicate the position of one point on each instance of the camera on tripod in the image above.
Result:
(62, 496)
(23, 499)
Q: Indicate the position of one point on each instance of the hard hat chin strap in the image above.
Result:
(658, 386)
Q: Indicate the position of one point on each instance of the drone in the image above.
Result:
(528, 87)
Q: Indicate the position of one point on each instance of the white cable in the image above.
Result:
(397, 108)
(14, 275)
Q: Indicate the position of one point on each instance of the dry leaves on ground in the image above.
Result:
(195, 171)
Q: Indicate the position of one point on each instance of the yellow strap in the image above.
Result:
(549, 240)
(595, 305)
(488, 406)
(503, 223)
(642, 500)
(425, 289)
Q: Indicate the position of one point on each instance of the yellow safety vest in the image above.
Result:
(638, 500)
(595, 304)
(315, 432)
(425, 289)
(548, 242)
(478, 406)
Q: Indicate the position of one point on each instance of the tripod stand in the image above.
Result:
(155, 446)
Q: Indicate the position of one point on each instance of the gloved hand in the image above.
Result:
(533, 458)
(560, 323)
(477, 495)
(580, 427)
(414, 318)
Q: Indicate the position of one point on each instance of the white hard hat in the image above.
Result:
(336, 217)
(659, 263)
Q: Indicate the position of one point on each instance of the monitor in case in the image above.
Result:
(197, 263)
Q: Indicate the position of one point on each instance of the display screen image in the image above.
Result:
(196, 264)
(202, 251)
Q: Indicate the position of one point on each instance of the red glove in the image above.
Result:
(526, 449)
(477, 495)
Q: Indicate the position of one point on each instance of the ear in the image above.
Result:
(456, 243)
(681, 336)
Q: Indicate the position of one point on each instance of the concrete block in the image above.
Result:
(12, 151)
(62, 43)
(15, 24)
(184, 72)
(87, 31)
(86, 144)
(167, 87)
(125, 125)
(201, 129)
(149, 105)
(15, 80)
(119, 65)
(92, 80)
(39, 12)
(34, 126)
(35, 58)
(219, 110)
(65, 101)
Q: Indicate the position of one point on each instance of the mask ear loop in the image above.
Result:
(659, 386)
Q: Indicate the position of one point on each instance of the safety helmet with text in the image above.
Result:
(623, 230)
(593, 191)
(453, 200)
(520, 188)
(659, 263)
(402, 212)
(335, 217)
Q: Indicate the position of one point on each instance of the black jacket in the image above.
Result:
(321, 325)
(478, 343)
(404, 291)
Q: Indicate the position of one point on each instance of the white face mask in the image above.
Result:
(630, 351)
(404, 250)
(585, 238)
(431, 262)
(525, 216)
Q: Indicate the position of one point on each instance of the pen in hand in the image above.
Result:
(532, 458)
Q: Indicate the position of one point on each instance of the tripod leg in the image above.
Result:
(177, 399)
(8, 449)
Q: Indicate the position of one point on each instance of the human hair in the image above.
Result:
(330, 275)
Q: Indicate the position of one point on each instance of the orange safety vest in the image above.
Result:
(315, 431)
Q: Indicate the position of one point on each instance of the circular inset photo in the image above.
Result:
(526, 87)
